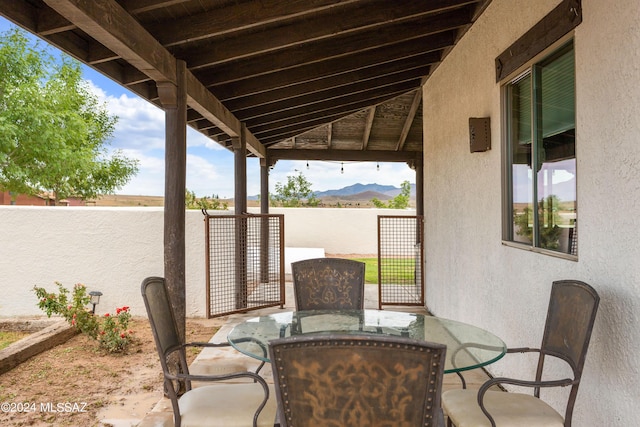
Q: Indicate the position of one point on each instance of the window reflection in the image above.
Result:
(542, 133)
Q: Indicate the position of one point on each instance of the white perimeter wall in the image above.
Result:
(114, 249)
(470, 275)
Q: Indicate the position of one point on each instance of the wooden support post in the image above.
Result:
(417, 165)
(265, 165)
(419, 186)
(240, 202)
(240, 183)
(174, 101)
(264, 228)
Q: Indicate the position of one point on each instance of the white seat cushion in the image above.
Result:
(226, 405)
(507, 409)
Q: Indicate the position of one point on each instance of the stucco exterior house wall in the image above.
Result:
(470, 274)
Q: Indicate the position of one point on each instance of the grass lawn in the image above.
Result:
(9, 337)
(401, 269)
(370, 269)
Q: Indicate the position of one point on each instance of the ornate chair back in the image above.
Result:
(328, 283)
(357, 380)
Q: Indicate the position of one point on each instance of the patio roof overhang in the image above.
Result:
(340, 78)
(274, 79)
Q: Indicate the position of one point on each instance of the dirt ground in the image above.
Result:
(75, 384)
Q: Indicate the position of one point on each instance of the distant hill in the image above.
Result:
(128, 200)
(364, 191)
(359, 192)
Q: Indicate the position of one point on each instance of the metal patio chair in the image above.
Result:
(357, 380)
(328, 283)
(570, 318)
(223, 404)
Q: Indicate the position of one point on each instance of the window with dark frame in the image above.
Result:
(541, 204)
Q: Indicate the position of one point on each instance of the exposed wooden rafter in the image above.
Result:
(410, 116)
(367, 127)
(285, 69)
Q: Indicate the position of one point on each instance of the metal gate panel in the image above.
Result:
(245, 262)
(400, 260)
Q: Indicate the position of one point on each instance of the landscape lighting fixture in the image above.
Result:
(94, 299)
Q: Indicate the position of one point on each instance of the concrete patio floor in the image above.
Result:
(227, 359)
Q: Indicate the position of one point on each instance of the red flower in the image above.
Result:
(107, 315)
(118, 310)
(122, 335)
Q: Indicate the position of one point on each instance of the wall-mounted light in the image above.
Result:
(479, 134)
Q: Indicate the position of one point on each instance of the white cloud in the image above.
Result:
(205, 178)
(150, 179)
(140, 133)
(196, 139)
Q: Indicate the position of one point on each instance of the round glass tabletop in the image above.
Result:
(468, 347)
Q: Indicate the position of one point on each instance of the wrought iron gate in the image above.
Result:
(400, 260)
(245, 262)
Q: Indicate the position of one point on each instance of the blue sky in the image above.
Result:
(140, 134)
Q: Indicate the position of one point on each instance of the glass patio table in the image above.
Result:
(468, 347)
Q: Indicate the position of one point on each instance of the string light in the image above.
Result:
(378, 167)
(307, 165)
(341, 167)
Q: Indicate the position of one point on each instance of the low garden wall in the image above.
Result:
(113, 249)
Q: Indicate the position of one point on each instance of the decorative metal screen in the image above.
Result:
(245, 262)
(400, 260)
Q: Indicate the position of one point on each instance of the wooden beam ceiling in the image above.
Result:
(344, 75)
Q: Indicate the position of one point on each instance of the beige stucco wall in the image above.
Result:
(470, 275)
(113, 249)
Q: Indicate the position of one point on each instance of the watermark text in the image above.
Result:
(49, 407)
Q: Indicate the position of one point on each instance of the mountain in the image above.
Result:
(357, 189)
(360, 192)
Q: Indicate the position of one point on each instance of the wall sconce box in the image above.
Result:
(479, 134)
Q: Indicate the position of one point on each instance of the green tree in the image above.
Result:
(53, 131)
(211, 203)
(296, 192)
(401, 201)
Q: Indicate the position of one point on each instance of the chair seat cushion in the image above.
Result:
(507, 409)
(226, 405)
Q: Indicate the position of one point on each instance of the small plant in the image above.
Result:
(74, 311)
(111, 332)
